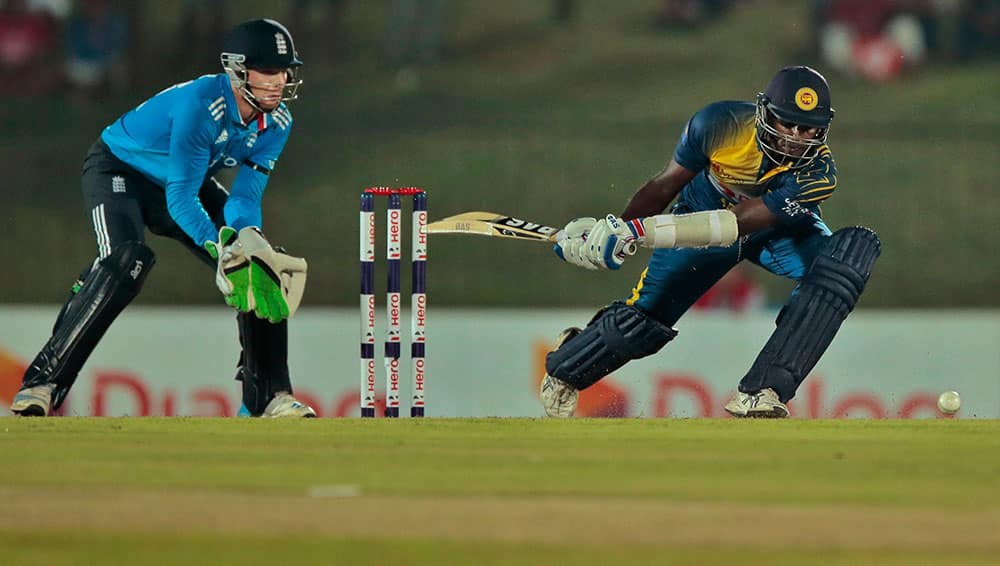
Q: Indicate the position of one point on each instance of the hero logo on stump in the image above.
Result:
(418, 299)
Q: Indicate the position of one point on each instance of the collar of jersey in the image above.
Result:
(233, 109)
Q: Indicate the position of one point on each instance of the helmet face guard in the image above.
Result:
(796, 96)
(790, 151)
(261, 45)
(235, 66)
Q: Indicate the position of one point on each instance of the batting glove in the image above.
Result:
(609, 242)
(571, 241)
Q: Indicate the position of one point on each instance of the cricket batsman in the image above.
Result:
(745, 182)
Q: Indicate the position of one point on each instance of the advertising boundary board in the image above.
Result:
(181, 361)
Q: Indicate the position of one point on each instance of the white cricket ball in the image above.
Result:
(949, 402)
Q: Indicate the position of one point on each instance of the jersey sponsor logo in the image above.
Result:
(223, 136)
(730, 196)
(806, 98)
(227, 161)
(280, 43)
(720, 172)
(251, 140)
(793, 208)
(745, 180)
(118, 184)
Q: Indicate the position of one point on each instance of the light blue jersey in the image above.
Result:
(188, 132)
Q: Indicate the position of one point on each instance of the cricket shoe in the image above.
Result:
(33, 401)
(763, 404)
(285, 406)
(559, 399)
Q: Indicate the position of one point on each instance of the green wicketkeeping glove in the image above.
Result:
(232, 274)
(270, 271)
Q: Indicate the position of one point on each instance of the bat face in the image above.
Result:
(510, 227)
(493, 224)
(524, 225)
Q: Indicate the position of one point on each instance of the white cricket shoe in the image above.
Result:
(285, 406)
(33, 402)
(763, 404)
(559, 399)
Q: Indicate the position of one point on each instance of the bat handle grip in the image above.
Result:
(631, 248)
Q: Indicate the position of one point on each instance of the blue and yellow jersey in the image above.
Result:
(720, 143)
(188, 132)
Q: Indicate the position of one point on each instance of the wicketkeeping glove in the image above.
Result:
(271, 274)
(232, 273)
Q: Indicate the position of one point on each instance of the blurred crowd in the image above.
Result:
(48, 43)
(91, 46)
(880, 40)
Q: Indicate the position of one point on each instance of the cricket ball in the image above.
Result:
(949, 402)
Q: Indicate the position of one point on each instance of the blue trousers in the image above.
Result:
(675, 278)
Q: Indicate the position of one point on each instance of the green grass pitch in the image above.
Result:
(498, 491)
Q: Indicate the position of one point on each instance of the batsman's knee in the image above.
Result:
(617, 334)
(133, 260)
(844, 265)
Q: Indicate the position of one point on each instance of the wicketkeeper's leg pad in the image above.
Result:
(617, 334)
(263, 366)
(808, 323)
(110, 286)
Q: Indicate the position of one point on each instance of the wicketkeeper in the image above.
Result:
(746, 181)
(154, 168)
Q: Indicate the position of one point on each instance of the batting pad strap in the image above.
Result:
(694, 230)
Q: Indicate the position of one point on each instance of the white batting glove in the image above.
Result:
(571, 241)
(609, 242)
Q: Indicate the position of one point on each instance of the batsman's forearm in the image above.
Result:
(187, 211)
(695, 230)
(653, 197)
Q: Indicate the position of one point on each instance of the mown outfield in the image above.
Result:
(498, 491)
